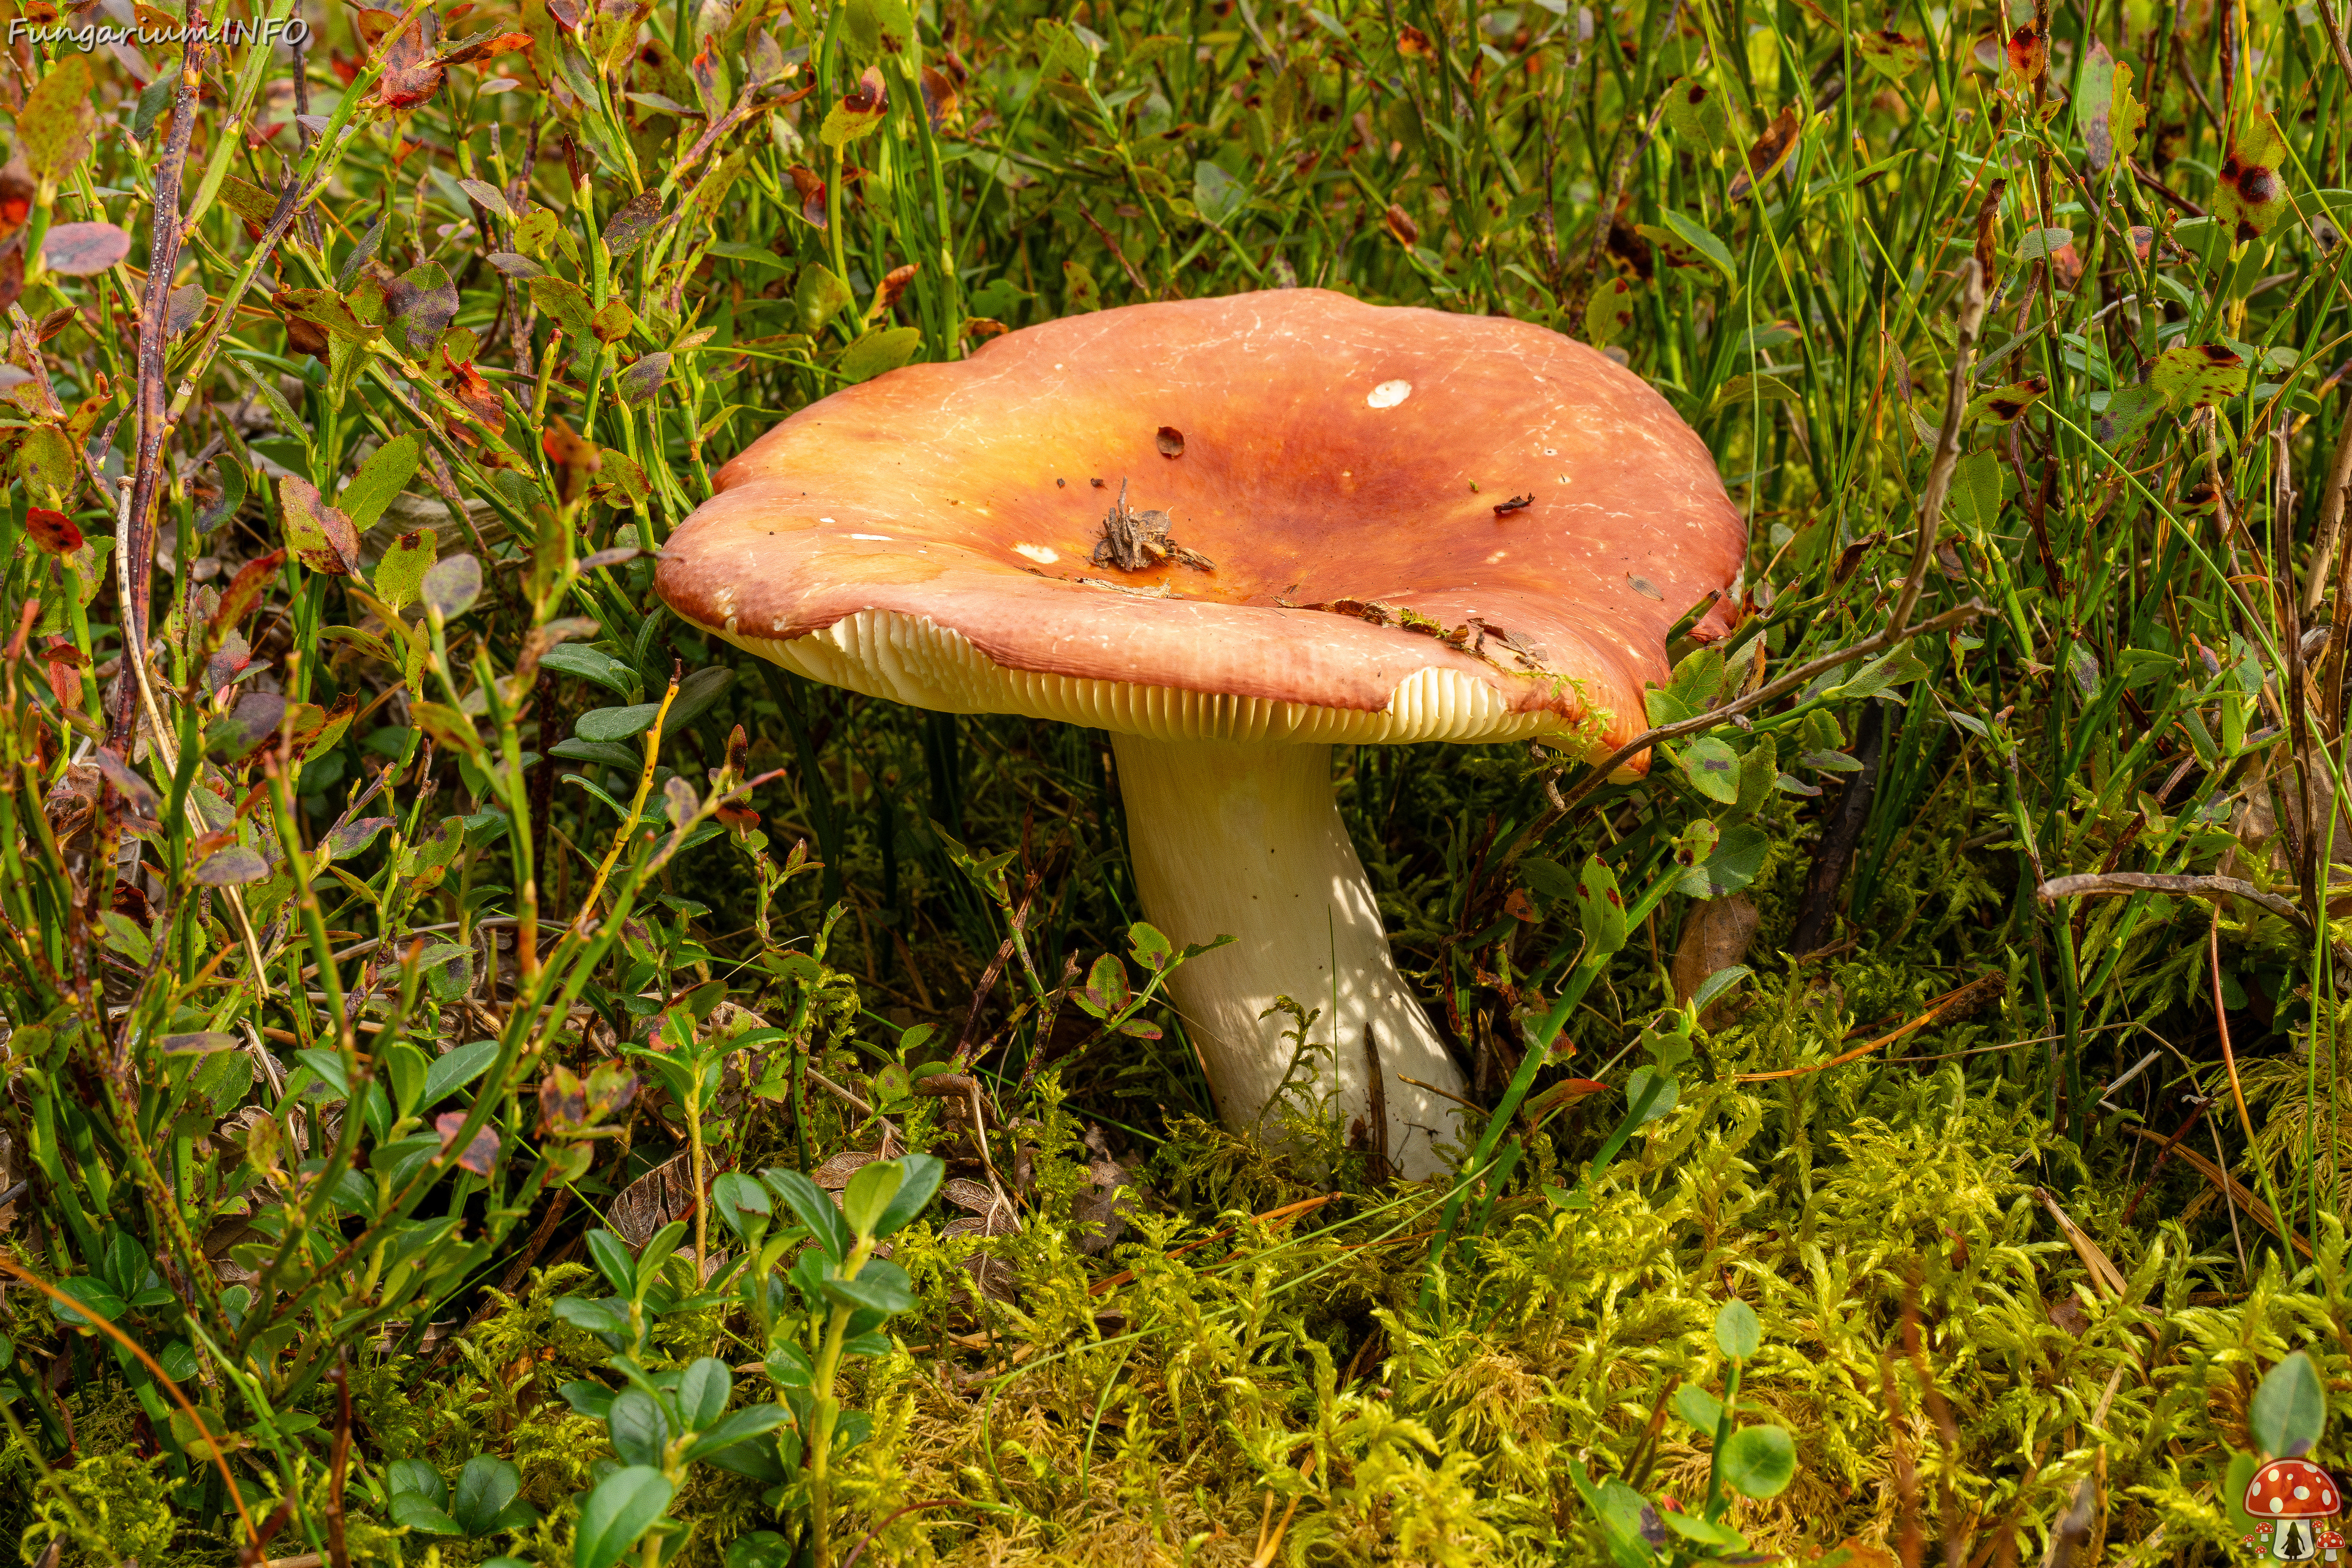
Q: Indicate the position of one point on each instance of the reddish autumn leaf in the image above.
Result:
(1769, 151)
(893, 283)
(2066, 266)
(411, 74)
(1567, 1091)
(130, 902)
(575, 458)
(483, 46)
(568, 12)
(306, 337)
(16, 195)
(243, 591)
(710, 85)
(939, 98)
(562, 1102)
(52, 531)
(12, 278)
(2028, 53)
(477, 397)
(481, 1154)
(65, 666)
(1519, 907)
(1413, 43)
(869, 98)
(406, 87)
(810, 190)
(1399, 224)
(78, 249)
(740, 818)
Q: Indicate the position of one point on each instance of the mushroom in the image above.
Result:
(2330, 1544)
(2291, 1495)
(1234, 534)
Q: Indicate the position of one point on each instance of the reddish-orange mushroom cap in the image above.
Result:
(1498, 525)
(2291, 1489)
(1231, 532)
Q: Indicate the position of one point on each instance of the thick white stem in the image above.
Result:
(1244, 839)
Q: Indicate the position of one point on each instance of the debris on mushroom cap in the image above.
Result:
(1139, 541)
(1300, 469)
(2291, 1488)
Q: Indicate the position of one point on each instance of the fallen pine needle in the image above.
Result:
(1976, 994)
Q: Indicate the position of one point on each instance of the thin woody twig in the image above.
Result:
(2092, 885)
(137, 543)
(1898, 622)
(1802, 675)
(1947, 447)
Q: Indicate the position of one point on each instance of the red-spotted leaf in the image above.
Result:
(54, 127)
(858, 113)
(633, 223)
(643, 378)
(52, 531)
(2251, 191)
(321, 537)
(2007, 403)
(1609, 312)
(78, 249)
(423, 302)
(2195, 374)
(2028, 53)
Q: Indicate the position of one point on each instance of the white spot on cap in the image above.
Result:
(1042, 554)
(825, 520)
(2278, 1505)
(2303, 1492)
(877, 538)
(1389, 393)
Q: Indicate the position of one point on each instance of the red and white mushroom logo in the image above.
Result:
(2292, 1496)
